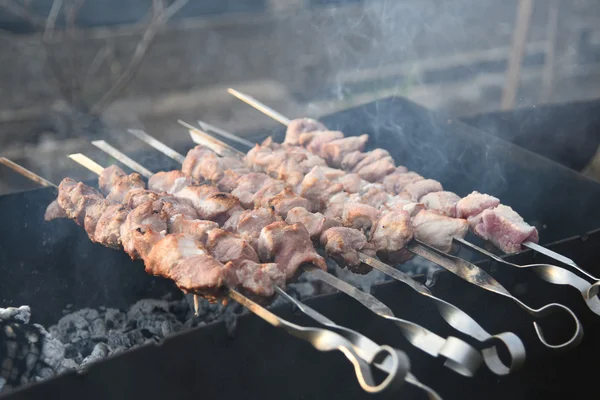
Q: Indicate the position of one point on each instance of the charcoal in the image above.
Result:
(100, 351)
(20, 314)
(114, 319)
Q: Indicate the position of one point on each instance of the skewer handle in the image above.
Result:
(113, 152)
(157, 144)
(260, 106)
(87, 163)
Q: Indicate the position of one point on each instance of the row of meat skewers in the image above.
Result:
(256, 224)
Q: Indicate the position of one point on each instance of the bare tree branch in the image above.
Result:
(160, 16)
(51, 20)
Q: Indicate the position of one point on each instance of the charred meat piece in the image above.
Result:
(443, 202)
(315, 223)
(196, 228)
(227, 246)
(505, 229)
(420, 188)
(108, 227)
(299, 126)
(135, 197)
(249, 224)
(289, 246)
(359, 216)
(258, 279)
(397, 181)
(54, 211)
(75, 197)
(148, 217)
(335, 151)
(115, 183)
(470, 207)
(192, 165)
(169, 182)
(437, 230)
(286, 200)
(343, 245)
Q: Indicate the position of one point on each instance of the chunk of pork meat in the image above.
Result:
(289, 246)
(196, 228)
(115, 183)
(315, 223)
(192, 164)
(377, 170)
(335, 150)
(108, 227)
(227, 246)
(352, 183)
(505, 229)
(135, 197)
(438, 230)
(75, 198)
(169, 181)
(470, 207)
(397, 181)
(442, 202)
(316, 187)
(299, 126)
(286, 200)
(148, 217)
(391, 232)
(351, 159)
(209, 203)
(54, 211)
(257, 279)
(248, 185)
(343, 245)
(250, 223)
(416, 190)
(359, 216)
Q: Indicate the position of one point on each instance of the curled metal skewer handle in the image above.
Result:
(553, 274)
(477, 276)
(463, 322)
(364, 347)
(592, 290)
(327, 340)
(460, 356)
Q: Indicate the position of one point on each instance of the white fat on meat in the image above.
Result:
(505, 228)
(438, 230)
(470, 207)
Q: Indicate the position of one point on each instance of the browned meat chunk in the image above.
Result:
(289, 246)
(148, 217)
(257, 279)
(270, 190)
(352, 183)
(505, 229)
(443, 202)
(231, 179)
(248, 185)
(437, 230)
(197, 228)
(319, 139)
(174, 206)
(315, 223)
(75, 197)
(390, 234)
(208, 201)
(344, 244)
(192, 165)
(335, 150)
(92, 215)
(115, 183)
(471, 207)
(54, 211)
(250, 223)
(420, 188)
(316, 187)
(108, 228)
(226, 246)
(169, 182)
(351, 159)
(299, 126)
(359, 216)
(169, 251)
(135, 197)
(286, 200)
(397, 181)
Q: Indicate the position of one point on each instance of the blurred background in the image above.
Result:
(76, 70)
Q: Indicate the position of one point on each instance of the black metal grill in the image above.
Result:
(50, 265)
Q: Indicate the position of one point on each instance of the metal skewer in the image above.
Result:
(321, 339)
(364, 347)
(25, 172)
(468, 272)
(460, 356)
(533, 246)
(454, 316)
